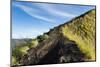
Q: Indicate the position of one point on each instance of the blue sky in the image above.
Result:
(30, 19)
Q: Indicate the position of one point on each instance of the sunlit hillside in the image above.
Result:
(82, 31)
(73, 41)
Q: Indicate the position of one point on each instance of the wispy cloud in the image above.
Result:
(33, 12)
(54, 11)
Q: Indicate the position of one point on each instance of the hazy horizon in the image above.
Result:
(30, 19)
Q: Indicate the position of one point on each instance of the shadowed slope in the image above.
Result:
(73, 41)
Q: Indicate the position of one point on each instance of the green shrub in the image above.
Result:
(42, 37)
(18, 53)
(34, 43)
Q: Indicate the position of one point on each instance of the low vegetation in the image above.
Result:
(80, 30)
(23, 48)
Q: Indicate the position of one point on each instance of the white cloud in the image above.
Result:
(48, 9)
(52, 10)
(33, 12)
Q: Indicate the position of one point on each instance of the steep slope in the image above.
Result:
(73, 41)
(82, 31)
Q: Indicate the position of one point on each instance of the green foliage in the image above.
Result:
(42, 37)
(14, 61)
(81, 30)
(18, 53)
(23, 50)
(34, 43)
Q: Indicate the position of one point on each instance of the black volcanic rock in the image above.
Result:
(62, 47)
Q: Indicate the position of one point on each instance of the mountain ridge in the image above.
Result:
(60, 36)
(73, 41)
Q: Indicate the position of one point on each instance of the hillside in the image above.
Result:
(73, 41)
(19, 42)
(82, 31)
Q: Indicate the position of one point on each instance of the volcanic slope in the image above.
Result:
(73, 41)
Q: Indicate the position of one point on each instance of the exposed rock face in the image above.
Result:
(59, 48)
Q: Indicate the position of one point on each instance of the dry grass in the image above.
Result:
(82, 31)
